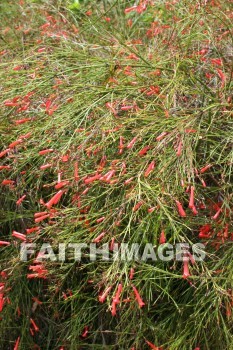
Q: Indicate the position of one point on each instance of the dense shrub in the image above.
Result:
(116, 127)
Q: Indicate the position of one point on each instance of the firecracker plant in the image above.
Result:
(116, 127)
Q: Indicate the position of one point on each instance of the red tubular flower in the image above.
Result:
(26, 136)
(44, 26)
(216, 61)
(10, 104)
(8, 182)
(132, 143)
(24, 107)
(152, 346)
(226, 233)
(3, 153)
(138, 298)
(126, 108)
(205, 231)
(45, 166)
(35, 275)
(128, 181)
(37, 301)
(130, 9)
(76, 176)
(202, 205)
(5, 167)
(194, 210)
(107, 177)
(20, 200)
(109, 105)
(32, 229)
(202, 52)
(100, 219)
(42, 49)
(61, 184)
(36, 328)
(208, 75)
(153, 90)
(191, 258)
(123, 168)
(143, 151)
(102, 163)
(162, 238)
(128, 71)
(131, 274)
(111, 244)
(4, 243)
(191, 200)
(188, 131)
(203, 183)
(113, 308)
(221, 76)
(150, 168)
(132, 56)
(16, 346)
(85, 332)
(45, 151)
(161, 136)
(179, 149)
(157, 73)
(40, 213)
(92, 179)
(65, 158)
(121, 145)
(116, 299)
(22, 121)
(137, 206)
(186, 273)
(99, 238)
(2, 301)
(19, 235)
(205, 168)
(217, 214)
(85, 191)
(39, 270)
(180, 209)
(41, 218)
(104, 295)
(150, 210)
(55, 199)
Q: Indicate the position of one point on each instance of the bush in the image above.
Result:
(116, 128)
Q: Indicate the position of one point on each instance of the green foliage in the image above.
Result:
(79, 78)
(75, 5)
